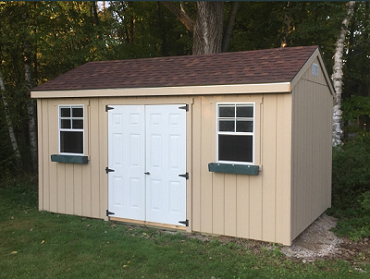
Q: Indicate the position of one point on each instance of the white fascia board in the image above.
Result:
(280, 87)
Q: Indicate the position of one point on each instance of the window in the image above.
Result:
(235, 132)
(71, 129)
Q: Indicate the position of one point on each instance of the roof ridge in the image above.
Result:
(203, 55)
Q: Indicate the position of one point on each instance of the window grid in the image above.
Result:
(235, 118)
(71, 119)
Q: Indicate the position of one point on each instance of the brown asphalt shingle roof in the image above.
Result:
(246, 67)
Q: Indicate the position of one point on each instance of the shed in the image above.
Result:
(235, 144)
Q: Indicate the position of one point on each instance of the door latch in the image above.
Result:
(147, 173)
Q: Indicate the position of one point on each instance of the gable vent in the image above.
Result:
(315, 69)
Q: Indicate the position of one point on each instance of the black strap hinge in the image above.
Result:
(185, 175)
(107, 212)
(186, 107)
(107, 170)
(186, 222)
(108, 108)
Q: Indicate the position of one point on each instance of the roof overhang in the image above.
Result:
(281, 87)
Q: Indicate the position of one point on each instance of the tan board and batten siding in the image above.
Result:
(292, 148)
(311, 148)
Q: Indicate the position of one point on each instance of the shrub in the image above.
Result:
(351, 187)
(19, 191)
(351, 171)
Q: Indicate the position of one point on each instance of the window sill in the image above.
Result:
(71, 159)
(233, 168)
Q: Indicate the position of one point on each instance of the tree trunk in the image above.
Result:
(208, 27)
(162, 30)
(32, 128)
(207, 35)
(9, 123)
(230, 24)
(286, 26)
(337, 76)
(94, 12)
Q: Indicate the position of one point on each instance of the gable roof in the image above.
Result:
(246, 67)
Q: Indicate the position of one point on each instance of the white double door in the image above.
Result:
(147, 153)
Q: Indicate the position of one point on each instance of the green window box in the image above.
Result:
(70, 159)
(233, 168)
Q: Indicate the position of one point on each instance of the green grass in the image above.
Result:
(37, 244)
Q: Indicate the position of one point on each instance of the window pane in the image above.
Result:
(71, 142)
(226, 111)
(65, 123)
(226, 126)
(244, 126)
(244, 111)
(77, 112)
(65, 112)
(235, 148)
(78, 124)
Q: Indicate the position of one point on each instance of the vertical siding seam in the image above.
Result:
(223, 206)
(57, 187)
(312, 163)
(41, 169)
(212, 195)
(73, 190)
(249, 206)
(200, 163)
(262, 115)
(90, 148)
(65, 188)
(236, 205)
(48, 197)
(276, 161)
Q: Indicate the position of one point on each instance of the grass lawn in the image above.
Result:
(37, 244)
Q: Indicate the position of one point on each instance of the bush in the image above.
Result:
(19, 191)
(351, 187)
(351, 171)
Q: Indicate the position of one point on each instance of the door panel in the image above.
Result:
(147, 139)
(165, 160)
(126, 126)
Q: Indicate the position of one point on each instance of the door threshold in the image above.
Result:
(149, 224)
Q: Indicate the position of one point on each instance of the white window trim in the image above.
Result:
(77, 130)
(253, 134)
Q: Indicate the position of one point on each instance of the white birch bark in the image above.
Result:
(337, 76)
(9, 123)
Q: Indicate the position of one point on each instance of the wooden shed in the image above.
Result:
(235, 144)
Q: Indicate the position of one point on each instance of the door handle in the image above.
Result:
(147, 173)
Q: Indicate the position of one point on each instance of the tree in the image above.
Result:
(207, 28)
(337, 76)
(31, 108)
(9, 122)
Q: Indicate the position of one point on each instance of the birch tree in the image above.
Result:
(9, 123)
(337, 76)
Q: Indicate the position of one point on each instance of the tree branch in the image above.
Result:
(180, 13)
